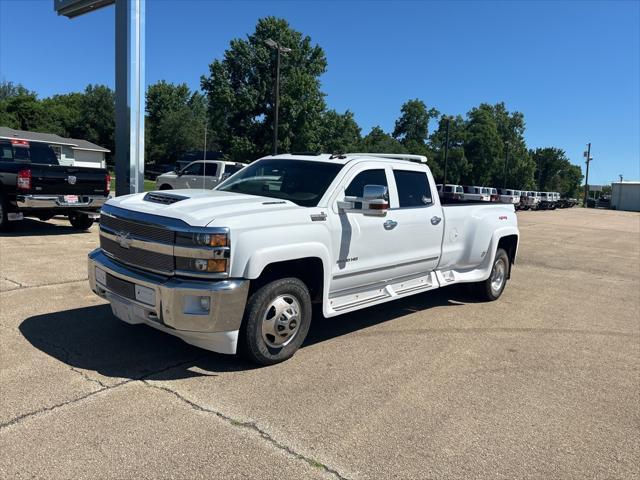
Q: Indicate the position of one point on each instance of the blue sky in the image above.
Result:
(572, 68)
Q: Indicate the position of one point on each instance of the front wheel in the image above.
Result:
(492, 287)
(80, 221)
(4, 214)
(276, 321)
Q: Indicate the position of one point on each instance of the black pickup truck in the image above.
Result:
(34, 184)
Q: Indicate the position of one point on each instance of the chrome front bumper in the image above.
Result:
(57, 201)
(171, 304)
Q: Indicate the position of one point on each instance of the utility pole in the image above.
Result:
(506, 159)
(586, 181)
(446, 152)
(620, 178)
(279, 49)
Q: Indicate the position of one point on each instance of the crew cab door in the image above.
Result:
(417, 218)
(211, 173)
(192, 176)
(369, 249)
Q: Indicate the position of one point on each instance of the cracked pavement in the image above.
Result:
(541, 384)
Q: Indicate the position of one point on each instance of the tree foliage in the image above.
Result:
(240, 91)
(555, 173)
(175, 122)
(486, 146)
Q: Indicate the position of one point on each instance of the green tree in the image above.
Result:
(555, 173)
(339, 133)
(175, 121)
(240, 93)
(458, 167)
(377, 141)
(413, 124)
(483, 146)
(97, 116)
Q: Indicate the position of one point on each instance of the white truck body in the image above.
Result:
(480, 194)
(509, 196)
(354, 256)
(204, 174)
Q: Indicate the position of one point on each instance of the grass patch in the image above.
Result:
(148, 184)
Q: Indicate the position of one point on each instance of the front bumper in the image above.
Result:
(57, 201)
(171, 304)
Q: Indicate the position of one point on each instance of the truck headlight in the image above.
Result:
(202, 265)
(203, 239)
(211, 239)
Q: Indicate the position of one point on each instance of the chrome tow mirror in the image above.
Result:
(374, 201)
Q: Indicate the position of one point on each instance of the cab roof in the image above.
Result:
(345, 158)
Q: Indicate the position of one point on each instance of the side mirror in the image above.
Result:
(375, 200)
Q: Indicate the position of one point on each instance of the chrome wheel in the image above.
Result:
(498, 276)
(281, 321)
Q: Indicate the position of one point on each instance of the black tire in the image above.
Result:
(486, 290)
(266, 348)
(166, 187)
(46, 218)
(80, 222)
(5, 224)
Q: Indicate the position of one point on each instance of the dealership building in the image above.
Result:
(69, 151)
(625, 196)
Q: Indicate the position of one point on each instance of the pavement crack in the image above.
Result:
(254, 428)
(104, 387)
(50, 408)
(13, 281)
(88, 378)
(27, 287)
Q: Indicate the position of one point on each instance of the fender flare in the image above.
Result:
(260, 259)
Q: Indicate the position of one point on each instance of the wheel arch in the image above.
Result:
(310, 270)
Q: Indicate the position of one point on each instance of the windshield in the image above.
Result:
(459, 190)
(299, 181)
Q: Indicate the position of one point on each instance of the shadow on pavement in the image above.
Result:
(30, 227)
(91, 338)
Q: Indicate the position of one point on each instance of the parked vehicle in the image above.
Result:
(508, 196)
(451, 192)
(199, 174)
(530, 200)
(494, 196)
(518, 195)
(34, 184)
(238, 268)
(547, 201)
(480, 194)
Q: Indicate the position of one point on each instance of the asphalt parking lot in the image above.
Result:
(543, 383)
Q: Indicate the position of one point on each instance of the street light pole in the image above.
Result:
(446, 152)
(279, 49)
(586, 180)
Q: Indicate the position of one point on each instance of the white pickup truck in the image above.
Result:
(199, 174)
(237, 268)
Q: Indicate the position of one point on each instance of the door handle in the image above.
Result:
(390, 224)
(435, 220)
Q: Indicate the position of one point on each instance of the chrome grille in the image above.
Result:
(140, 230)
(136, 257)
(121, 287)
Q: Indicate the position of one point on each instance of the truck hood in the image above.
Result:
(201, 207)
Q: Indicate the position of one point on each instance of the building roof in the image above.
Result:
(50, 138)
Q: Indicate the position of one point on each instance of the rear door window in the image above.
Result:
(210, 169)
(43, 153)
(413, 188)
